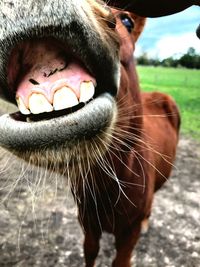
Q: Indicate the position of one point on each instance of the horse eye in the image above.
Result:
(128, 22)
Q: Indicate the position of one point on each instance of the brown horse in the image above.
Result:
(82, 114)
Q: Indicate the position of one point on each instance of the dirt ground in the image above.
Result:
(45, 232)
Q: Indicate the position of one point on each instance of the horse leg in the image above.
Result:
(125, 243)
(91, 248)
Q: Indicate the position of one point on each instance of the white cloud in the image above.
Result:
(174, 45)
(170, 35)
(138, 50)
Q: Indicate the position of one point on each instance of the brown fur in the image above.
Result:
(115, 168)
(148, 127)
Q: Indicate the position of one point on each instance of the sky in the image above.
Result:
(171, 35)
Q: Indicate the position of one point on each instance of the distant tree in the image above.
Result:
(191, 51)
(190, 60)
(170, 62)
(143, 59)
(154, 62)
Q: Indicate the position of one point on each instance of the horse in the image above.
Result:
(69, 68)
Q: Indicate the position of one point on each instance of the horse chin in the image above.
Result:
(62, 142)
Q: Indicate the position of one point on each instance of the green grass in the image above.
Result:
(183, 85)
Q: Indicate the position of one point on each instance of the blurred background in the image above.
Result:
(170, 36)
(168, 57)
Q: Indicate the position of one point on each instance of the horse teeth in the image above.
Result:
(64, 98)
(22, 108)
(39, 104)
(87, 91)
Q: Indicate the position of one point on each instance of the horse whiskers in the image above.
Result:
(134, 139)
(125, 111)
(106, 167)
(104, 182)
(139, 155)
(121, 138)
(115, 147)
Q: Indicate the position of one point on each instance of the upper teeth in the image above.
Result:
(86, 91)
(39, 104)
(22, 106)
(63, 98)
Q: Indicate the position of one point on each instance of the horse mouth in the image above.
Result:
(60, 97)
(48, 77)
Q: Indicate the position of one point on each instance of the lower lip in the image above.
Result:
(86, 122)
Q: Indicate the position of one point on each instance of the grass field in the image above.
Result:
(183, 85)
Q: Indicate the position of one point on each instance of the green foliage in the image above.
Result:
(183, 85)
(189, 60)
(170, 62)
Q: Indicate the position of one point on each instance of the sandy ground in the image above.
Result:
(46, 233)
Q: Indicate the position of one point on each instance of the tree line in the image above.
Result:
(190, 60)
